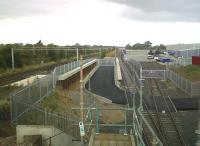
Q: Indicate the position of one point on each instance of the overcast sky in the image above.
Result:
(106, 22)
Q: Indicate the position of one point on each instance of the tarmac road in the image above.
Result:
(102, 83)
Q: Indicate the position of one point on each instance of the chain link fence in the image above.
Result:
(191, 88)
(24, 102)
(70, 66)
(39, 116)
(180, 62)
(107, 62)
(136, 66)
(195, 91)
(154, 74)
(31, 95)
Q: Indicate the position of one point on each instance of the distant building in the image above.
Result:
(185, 50)
(182, 46)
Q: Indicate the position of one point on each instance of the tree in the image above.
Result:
(147, 45)
(39, 43)
(53, 55)
(162, 47)
(3, 63)
(128, 47)
(18, 61)
(150, 52)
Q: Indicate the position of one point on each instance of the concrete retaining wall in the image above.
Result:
(46, 132)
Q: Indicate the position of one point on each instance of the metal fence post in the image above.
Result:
(164, 74)
(53, 78)
(125, 123)
(67, 67)
(97, 120)
(11, 108)
(60, 70)
(45, 116)
(190, 89)
(40, 88)
(47, 87)
(29, 92)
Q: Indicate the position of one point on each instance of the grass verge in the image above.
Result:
(190, 72)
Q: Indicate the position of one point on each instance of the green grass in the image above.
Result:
(6, 129)
(51, 102)
(5, 126)
(5, 91)
(4, 72)
(191, 72)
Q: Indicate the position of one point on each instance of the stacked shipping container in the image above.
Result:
(196, 60)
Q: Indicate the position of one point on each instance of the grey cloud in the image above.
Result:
(162, 10)
(19, 8)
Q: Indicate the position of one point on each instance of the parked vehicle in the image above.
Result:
(171, 52)
(165, 60)
(150, 56)
(156, 58)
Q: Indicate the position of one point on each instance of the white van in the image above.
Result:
(150, 56)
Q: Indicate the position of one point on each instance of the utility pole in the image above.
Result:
(13, 60)
(77, 54)
(115, 52)
(81, 96)
(99, 53)
(46, 50)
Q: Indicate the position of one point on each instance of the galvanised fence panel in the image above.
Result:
(156, 74)
(191, 88)
(180, 62)
(136, 66)
(25, 110)
(31, 94)
(36, 91)
(107, 62)
(70, 66)
(38, 116)
(196, 88)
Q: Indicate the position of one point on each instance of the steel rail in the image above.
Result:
(172, 118)
(163, 136)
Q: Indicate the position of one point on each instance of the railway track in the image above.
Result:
(129, 80)
(154, 121)
(152, 66)
(164, 121)
(162, 116)
(7, 79)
